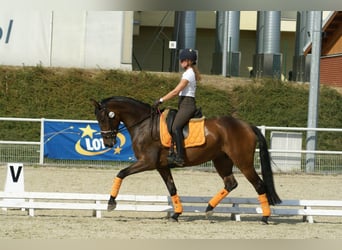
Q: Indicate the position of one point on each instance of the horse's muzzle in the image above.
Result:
(109, 143)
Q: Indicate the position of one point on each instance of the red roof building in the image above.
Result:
(331, 52)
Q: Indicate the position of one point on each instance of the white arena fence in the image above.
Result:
(97, 203)
(286, 147)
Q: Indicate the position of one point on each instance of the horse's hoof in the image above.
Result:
(174, 217)
(209, 213)
(264, 220)
(171, 219)
(111, 205)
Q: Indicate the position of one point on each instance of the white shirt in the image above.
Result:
(190, 88)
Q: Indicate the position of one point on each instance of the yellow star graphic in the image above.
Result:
(117, 150)
(88, 131)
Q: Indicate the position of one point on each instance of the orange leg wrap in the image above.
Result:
(177, 205)
(266, 210)
(116, 186)
(218, 197)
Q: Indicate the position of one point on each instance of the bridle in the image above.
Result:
(108, 134)
(111, 134)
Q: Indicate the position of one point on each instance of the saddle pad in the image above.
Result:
(196, 135)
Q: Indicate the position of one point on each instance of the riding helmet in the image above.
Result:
(188, 54)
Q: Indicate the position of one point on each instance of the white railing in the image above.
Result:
(265, 128)
(40, 144)
(97, 203)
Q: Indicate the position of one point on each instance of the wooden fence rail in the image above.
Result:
(97, 203)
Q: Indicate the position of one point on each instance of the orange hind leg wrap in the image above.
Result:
(116, 186)
(218, 197)
(177, 205)
(266, 210)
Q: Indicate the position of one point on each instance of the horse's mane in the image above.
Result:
(124, 99)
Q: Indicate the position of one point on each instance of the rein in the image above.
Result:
(135, 124)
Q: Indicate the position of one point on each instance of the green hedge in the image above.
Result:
(58, 93)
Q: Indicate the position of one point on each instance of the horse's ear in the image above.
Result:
(95, 103)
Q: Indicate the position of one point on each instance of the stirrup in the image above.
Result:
(179, 162)
(173, 159)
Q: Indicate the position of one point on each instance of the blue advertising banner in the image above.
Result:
(83, 141)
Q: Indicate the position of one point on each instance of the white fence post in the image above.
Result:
(263, 129)
(41, 147)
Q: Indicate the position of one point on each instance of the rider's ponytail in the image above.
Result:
(197, 73)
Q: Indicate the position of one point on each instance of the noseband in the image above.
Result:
(109, 133)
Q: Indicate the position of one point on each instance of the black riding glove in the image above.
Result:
(157, 103)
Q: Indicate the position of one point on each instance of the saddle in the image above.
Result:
(193, 132)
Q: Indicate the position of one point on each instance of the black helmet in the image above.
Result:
(188, 54)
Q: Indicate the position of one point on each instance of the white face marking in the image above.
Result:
(111, 114)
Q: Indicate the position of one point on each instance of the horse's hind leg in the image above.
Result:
(260, 188)
(224, 167)
(168, 179)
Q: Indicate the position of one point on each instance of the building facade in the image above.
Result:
(82, 39)
(139, 40)
(331, 59)
(153, 31)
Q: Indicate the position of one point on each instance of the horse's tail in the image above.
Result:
(266, 169)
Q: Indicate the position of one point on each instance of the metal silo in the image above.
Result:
(184, 34)
(309, 26)
(233, 30)
(272, 32)
(267, 60)
(295, 63)
(260, 32)
(302, 32)
(301, 63)
(297, 47)
(227, 43)
(187, 30)
(220, 25)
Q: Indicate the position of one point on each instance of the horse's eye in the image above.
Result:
(111, 114)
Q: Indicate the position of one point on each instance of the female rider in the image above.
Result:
(186, 90)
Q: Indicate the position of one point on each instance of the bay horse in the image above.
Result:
(229, 141)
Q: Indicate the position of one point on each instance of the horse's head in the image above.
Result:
(109, 123)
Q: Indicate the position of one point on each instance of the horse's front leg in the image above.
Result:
(136, 167)
(114, 193)
(168, 179)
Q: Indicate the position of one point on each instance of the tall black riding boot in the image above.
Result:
(179, 140)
